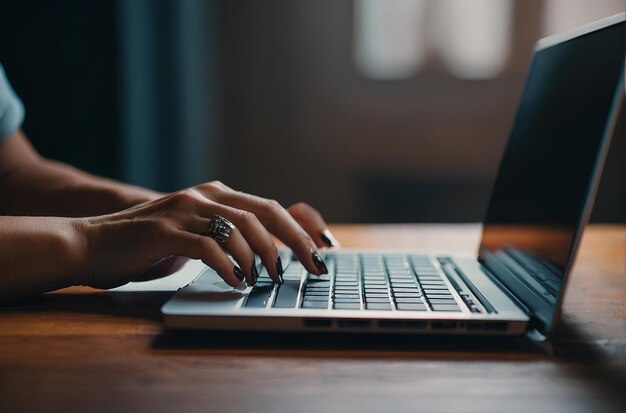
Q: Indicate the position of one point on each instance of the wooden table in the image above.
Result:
(78, 351)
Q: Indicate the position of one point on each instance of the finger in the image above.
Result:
(255, 234)
(313, 223)
(185, 205)
(236, 245)
(280, 223)
(196, 246)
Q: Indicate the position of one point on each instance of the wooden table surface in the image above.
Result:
(77, 350)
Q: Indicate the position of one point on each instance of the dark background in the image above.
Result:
(281, 110)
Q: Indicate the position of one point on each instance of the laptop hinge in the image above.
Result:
(537, 306)
(532, 333)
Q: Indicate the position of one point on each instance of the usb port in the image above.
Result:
(390, 324)
(496, 326)
(354, 323)
(317, 322)
(471, 326)
(444, 325)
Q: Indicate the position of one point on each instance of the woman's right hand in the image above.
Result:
(121, 246)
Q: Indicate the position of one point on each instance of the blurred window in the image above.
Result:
(471, 37)
(563, 15)
(389, 38)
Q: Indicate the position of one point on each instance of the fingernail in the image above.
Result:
(319, 262)
(328, 238)
(241, 286)
(255, 273)
(279, 270)
(238, 273)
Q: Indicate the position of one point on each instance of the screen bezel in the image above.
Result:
(593, 183)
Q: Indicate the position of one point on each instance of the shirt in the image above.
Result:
(11, 108)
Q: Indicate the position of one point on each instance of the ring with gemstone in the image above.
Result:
(219, 229)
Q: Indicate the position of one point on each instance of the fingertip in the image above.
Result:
(229, 274)
(319, 262)
(254, 274)
(328, 239)
(279, 270)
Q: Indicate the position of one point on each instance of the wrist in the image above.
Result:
(76, 244)
(132, 196)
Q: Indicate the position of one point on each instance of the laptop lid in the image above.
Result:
(551, 166)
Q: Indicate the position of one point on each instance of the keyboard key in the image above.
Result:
(441, 300)
(377, 299)
(314, 304)
(376, 290)
(408, 300)
(374, 282)
(347, 306)
(287, 294)
(435, 288)
(377, 306)
(410, 307)
(376, 295)
(317, 293)
(402, 295)
(346, 292)
(403, 285)
(323, 277)
(311, 288)
(437, 292)
(434, 278)
(318, 283)
(258, 297)
(403, 274)
(405, 290)
(346, 296)
(431, 282)
(346, 287)
(315, 298)
(374, 278)
(445, 307)
(346, 300)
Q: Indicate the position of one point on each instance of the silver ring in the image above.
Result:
(219, 229)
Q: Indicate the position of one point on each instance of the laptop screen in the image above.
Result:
(546, 171)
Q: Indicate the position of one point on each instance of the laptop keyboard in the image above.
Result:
(359, 282)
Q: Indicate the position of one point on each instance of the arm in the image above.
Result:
(37, 254)
(32, 185)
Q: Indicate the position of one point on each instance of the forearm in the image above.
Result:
(38, 254)
(55, 189)
(32, 185)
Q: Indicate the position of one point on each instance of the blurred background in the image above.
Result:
(371, 110)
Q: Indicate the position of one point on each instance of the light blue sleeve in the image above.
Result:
(11, 108)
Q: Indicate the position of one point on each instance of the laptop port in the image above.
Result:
(416, 325)
(444, 325)
(354, 323)
(496, 326)
(406, 324)
(390, 324)
(471, 326)
(317, 322)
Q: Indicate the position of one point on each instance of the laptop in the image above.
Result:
(539, 206)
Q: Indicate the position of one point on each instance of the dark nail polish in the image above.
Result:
(239, 273)
(319, 262)
(255, 273)
(328, 239)
(279, 269)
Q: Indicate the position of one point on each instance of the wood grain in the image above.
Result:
(79, 349)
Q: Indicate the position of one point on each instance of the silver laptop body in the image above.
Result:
(539, 206)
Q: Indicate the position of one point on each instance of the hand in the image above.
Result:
(120, 246)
